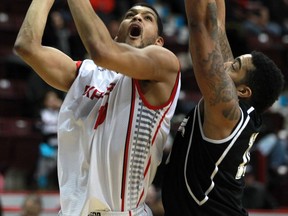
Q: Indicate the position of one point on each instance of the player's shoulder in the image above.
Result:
(159, 50)
(88, 63)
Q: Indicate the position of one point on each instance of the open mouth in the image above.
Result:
(135, 31)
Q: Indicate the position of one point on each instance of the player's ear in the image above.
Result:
(244, 91)
(159, 41)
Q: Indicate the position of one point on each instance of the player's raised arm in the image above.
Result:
(131, 53)
(223, 40)
(53, 66)
(218, 89)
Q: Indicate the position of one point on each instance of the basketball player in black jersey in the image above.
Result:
(204, 172)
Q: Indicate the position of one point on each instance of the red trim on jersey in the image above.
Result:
(159, 125)
(78, 65)
(126, 153)
(147, 167)
(141, 196)
(172, 96)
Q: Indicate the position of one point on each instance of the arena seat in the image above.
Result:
(19, 141)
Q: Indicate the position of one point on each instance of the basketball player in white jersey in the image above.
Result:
(115, 119)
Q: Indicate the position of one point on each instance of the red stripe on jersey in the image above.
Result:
(159, 125)
(171, 98)
(145, 173)
(127, 145)
(148, 166)
(142, 194)
(78, 64)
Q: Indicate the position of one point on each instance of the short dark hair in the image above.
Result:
(159, 20)
(266, 82)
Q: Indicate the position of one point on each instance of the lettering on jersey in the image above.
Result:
(101, 115)
(246, 157)
(94, 214)
(182, 126)
(93, 93)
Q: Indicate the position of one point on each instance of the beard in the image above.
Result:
(140, 44)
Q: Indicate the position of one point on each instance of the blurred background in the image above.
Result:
(29, 107)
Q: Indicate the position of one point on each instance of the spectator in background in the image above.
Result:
(32, 205)
(47, 172)
(255, 195)
(35, 93)
(61, 31)
(271, 144)
(235, 9)
(104, 9)
(279, 11)
(274, 148)
(258, 20)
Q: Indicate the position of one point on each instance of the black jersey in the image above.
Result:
(204, 177)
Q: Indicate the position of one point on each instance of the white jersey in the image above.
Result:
(110, 142)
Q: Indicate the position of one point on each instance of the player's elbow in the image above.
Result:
(23, 48)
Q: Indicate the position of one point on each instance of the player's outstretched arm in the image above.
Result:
(53, 66)
(220, 97)
(223, 40)
(151, 62)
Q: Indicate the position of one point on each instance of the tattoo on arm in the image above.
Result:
(225, 46)
(221, 87)
(212, 8)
